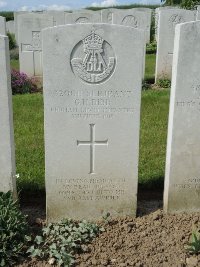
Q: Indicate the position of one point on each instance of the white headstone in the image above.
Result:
(10, 27)
(167, 20)
(2, 26)
(16, 14)
(58, 16)
(198, 13)
(157, 17)
(182, 175)
(30, 42)
(83, 16)
(148, 12)
(128, 17)
(7, 151)
(92, 117)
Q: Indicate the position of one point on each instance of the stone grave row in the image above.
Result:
(30, 26)
(129, 17)
(92, 120)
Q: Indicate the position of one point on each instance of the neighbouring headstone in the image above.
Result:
(182, 175)
(58, 16)
(137, 19)
(198, 13)
(92, 118)
(7, 154)
(16, 14)
(10, 27)
(30, 43)
(167, 20)
(156, 15)
(83, 16)
(2, 26)
(148, 12)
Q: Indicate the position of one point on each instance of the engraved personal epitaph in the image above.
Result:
(92, 143)
(97, 64)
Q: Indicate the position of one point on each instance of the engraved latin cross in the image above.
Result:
(92, 143)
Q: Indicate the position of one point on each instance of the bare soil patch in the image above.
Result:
(153, 239)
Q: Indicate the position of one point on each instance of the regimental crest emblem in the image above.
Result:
(93, 59)
(176, 19)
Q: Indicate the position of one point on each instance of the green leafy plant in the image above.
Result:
(145, 85)
(60, 241)
(189, 4)
(193, 246)
(151, 48)
(12, 41)
(164, 83)
(13, 230)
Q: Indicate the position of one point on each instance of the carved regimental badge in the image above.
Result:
(175, 19)
(92, 59)
(130, 21)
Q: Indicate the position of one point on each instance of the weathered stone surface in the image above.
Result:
(167, 20)
(198, 13)
(58, 16)
(182, 175)
(16, 14)
(2, 26)
(138, 19)
(83, 16)
(7, 155)
(29, 39)
(10, 26)
(92, 115)
(148, 12)
(157, 16)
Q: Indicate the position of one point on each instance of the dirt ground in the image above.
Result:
(153, 239)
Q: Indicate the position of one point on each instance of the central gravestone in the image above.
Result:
(92, 115)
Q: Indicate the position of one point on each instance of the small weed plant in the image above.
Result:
(22, 84)
(164, 83)
(193, 246)
(60, 241)
(151, 48)
(13, 230)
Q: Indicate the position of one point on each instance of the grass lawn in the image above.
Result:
(29, 140)
(150, 67)
(14, 64)
(28, 122)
